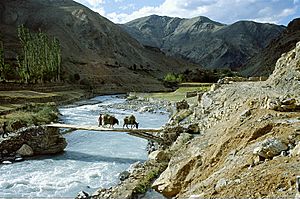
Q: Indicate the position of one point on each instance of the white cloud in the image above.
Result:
(226, 11)
(128, 6)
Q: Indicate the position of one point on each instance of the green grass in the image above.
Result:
(179, 94)
(145, 182)
(25, 94)
(32, 114)
(25, 107)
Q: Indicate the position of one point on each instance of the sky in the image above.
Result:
(224, 11)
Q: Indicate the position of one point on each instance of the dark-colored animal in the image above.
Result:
(4, 130)
(111, 120)
(130, 120)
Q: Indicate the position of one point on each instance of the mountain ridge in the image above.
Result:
(264, 62)
(92, 46)
(202, 40)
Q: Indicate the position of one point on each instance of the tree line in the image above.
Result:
(40, 59)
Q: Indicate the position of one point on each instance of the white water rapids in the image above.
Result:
(91, 160)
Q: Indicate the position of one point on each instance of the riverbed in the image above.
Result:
(91, 160)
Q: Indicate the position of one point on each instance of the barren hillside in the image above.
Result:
(92, 46)
(248, 144)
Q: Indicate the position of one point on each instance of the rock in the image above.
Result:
(42, 140)
(4, 152)
(193, 129)
(221, 184)
(289, 101)
(191, 94)
(124, 175)
(25, 150)
(158, 155)
(215, 87)
(198, 196)
(6, 162)
(18, 159)
(134, 166)
(182, 105)
(206, 101)
(244, 115)
(170, 181)
(82, 195)
(270, 148)
(296, 150)
(146, 109)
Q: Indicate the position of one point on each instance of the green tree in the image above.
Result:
(41, 59)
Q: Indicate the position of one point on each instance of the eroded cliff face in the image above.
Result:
(248, 141)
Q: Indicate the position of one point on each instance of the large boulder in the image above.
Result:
(158, 155)
(42, 140)
(173, 178)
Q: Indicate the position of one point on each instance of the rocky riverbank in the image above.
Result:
(31, 141)
(247, 144)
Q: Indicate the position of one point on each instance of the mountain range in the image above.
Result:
(204, 41)
(264, 62)
(96, 49)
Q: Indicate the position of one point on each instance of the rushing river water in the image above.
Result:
(90, 161)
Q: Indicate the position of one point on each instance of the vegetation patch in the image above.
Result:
(146, 181)
(32, 114)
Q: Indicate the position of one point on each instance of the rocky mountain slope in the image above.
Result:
(249, 140)
(264, 62)
(92, 46)
(201, 40)
(240, 140)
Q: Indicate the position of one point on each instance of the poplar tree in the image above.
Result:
(41, 57)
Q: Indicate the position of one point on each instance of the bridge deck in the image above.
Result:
(96, 128)
(141, 133)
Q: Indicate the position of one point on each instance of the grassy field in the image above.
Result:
(30, 107)
(179, 94)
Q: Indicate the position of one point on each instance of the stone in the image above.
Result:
(197, 196)
(42, 140)
(215, 87)
(221, 184)
(124, 175)
(6, 162)
(181, 105)
(245, 114)
(25, 150)
(158, 155)
(170, 181)
(193, 129)
(133, 166)
(288, 101)
(296, 150)
(191, 94)
(270, 147)
(18, 159)
(82, 195)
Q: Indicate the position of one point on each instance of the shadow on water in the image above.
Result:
(85, 157)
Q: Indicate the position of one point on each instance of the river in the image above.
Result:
(91, 160)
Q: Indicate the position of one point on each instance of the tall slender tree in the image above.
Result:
(41, 57)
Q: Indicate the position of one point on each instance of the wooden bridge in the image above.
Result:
(141, 133)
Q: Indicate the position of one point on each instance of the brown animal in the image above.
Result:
(130, 120)
(111, 120)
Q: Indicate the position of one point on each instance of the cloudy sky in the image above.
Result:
(225, 11)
